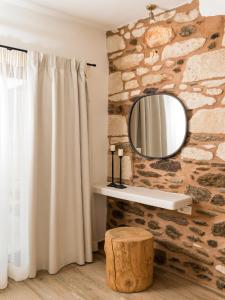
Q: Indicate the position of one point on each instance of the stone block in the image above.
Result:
(117, 125)
(115, 43)
(182, 48)
(159, 35)
(115, 83)
(129, 61)
(203, 66)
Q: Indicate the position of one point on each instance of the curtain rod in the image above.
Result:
(25, 51)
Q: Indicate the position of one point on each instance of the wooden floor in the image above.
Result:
(88, 283)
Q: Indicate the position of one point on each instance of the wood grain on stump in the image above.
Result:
(129, 259)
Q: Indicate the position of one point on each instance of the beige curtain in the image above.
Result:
(45, 208)
(60, 214)
(149, 126)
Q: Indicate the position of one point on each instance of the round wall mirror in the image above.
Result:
(157, 125)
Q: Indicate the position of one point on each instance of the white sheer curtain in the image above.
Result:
(45, 209)
(15, 153)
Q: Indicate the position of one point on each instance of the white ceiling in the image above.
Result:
(106, 14)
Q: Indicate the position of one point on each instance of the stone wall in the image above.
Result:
(182, 53)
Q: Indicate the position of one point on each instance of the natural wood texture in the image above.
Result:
(129, 259)
(88, 283)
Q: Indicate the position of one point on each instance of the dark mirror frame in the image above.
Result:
(129, 125)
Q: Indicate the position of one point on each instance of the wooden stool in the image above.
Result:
(129, 259)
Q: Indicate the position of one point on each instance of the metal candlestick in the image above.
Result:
(120, 185)
(112, 184)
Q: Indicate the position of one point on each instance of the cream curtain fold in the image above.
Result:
(55, 223)
(149, 126)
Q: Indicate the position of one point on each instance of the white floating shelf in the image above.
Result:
(157, 198)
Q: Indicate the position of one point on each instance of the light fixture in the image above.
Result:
(151, 8)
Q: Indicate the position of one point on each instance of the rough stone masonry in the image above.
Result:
(182, 53)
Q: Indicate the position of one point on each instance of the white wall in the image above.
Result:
(212, 8)
(62, 36)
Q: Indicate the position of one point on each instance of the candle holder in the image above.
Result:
(121, 185)
(112, 184)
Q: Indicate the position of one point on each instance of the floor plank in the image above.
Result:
(88, 283)
(18, 291)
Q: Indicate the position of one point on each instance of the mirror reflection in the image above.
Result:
(158, 125)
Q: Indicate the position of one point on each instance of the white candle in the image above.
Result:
(120, 152)
(112, 148)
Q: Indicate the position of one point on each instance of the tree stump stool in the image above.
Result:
(129, 259)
